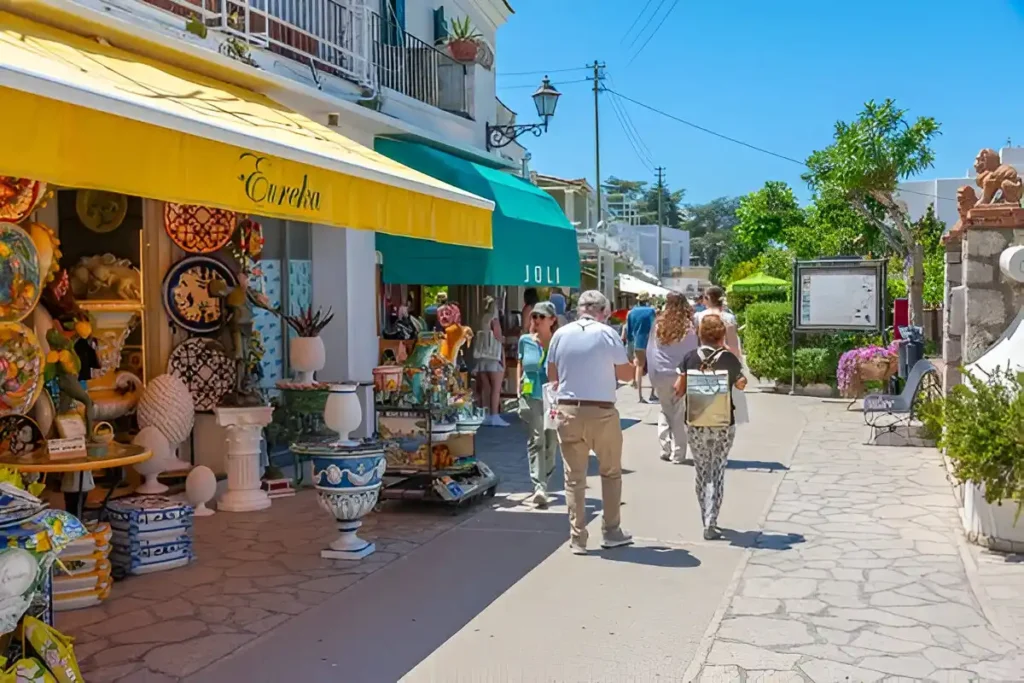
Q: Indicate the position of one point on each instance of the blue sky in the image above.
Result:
(777, 74)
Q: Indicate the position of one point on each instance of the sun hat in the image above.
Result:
(545, 308)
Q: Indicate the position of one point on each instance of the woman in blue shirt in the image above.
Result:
(636, 334)
(542, 444)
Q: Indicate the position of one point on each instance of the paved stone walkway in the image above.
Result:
(858, 576)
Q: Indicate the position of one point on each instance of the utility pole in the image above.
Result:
(661, 213)
(598, 77)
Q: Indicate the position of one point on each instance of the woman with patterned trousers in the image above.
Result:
(710, 446)
(542, 444)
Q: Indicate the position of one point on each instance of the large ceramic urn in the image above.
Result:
(347, 474)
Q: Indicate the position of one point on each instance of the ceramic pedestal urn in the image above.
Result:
(307, 356)
(244, 435)
(347, 474)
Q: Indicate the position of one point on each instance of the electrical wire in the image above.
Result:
(543, 71)
(647, 163)
(635, 21)
(629, 119)
(661, 3)
(742, 143)
(654, 32)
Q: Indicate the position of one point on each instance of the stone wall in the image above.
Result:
(991, 301)
(953, 315)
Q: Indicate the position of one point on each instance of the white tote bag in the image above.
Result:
(553, 419)
(741, 411)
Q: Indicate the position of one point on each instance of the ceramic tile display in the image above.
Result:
(205, 368)
(199, 229)
(21, 278)
(187, 297)
(19, 197)
(270, 326)
(21, 368)
(300, 285)
(150, 534)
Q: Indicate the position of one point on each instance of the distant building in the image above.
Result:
(622, 209)
(642, 241)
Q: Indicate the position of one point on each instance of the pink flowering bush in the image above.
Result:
(852, 359)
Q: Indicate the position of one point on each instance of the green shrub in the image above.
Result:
(766, 340)
(984, 434)
(738, 302)
(814, 366)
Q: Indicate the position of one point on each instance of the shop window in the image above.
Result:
(287, 266)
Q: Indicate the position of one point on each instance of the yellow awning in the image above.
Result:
(82, 114)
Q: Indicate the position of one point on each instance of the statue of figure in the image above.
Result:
(240, 301)
(996, 178)
(966, 198)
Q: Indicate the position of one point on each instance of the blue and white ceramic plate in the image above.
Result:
(187, 296)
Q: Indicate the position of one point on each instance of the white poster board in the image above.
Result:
(839, 295)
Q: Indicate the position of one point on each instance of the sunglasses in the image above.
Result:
(538, 316)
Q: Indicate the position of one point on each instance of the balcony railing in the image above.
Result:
(417, 69)
(340, 37)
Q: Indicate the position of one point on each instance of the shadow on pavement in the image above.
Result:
(755, 465)
(627, 422)
(651, 555)
(761, 540)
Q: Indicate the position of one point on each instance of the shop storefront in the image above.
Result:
(151, 221)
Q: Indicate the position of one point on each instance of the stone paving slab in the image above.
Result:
(877, 591)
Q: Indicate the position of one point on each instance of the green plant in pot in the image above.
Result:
(983, 433)
(462, 40)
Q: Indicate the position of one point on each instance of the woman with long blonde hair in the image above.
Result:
(673, 337)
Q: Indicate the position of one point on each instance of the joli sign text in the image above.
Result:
(542, 275)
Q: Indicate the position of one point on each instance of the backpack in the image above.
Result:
(708, 394)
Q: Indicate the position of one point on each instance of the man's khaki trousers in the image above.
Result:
(591, 428)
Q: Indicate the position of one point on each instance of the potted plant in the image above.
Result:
(462, 40)
(982, 425)
(306, 352)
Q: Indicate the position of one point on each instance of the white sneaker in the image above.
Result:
(540, 500)
(496, 421)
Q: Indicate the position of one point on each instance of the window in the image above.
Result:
(287, 280)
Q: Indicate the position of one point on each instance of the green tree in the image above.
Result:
(833, 228)
(864, 164)
(670, 206)
(714, 216)
(768, 216)
(629, 189)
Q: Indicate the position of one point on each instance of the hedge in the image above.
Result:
(766, 346)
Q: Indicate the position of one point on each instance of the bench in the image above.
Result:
(886, 413)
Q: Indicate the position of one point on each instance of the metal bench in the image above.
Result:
(886, 413)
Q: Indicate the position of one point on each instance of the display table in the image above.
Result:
(118, 456)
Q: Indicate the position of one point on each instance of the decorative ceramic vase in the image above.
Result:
(154, 440)
(343, 413)
(348, 481)
(307, 356)
(200, 488)
(111, 330)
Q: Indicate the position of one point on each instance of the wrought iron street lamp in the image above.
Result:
(545, 98)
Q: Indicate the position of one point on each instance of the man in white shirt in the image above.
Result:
(581, 365)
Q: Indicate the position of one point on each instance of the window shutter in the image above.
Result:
(440, 26)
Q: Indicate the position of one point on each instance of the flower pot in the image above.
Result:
(463, 50)
(342, 413)
(307, 355)
(876, 369)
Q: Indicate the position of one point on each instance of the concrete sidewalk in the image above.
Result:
(879, 589)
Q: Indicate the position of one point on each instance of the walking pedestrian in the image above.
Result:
(710, 446)
(530, 299)
(715, 299)
(487, 362)
(674, 336)
(542, 444)
(636, 334)
(581, 365)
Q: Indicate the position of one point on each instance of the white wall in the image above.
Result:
(644, 241)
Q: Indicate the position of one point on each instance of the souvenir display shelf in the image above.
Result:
(466, 480)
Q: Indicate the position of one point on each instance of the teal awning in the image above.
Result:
(534, 243)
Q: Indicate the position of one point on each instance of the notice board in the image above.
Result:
(841, 294)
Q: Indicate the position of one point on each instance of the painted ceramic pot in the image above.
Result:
(307, 356)
(21, 368)
(19, 435)
(21, 277)
(348, 481)
(387, 379)
(342, 413)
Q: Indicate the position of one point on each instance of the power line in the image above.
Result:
(629, 120)
(661, 3)
(535, 85)
(635, 21)
(742, 143)
(654, 32)
(542, 71)
(647, 163)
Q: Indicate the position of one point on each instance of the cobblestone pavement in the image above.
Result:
(878, 590)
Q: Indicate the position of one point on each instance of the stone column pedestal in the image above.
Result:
(244, 434)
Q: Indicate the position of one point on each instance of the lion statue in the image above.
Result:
(966, 198)
(996, 178)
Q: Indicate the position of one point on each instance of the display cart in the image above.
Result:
(431, 460)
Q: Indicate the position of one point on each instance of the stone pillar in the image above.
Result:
(244, 434)
(991, 301)
(953, 314)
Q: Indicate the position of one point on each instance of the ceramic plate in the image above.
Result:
(187, 296)
(19, 197)
(20, 276)
(101, 211)
(19, 435)
(205, 368)
(21, 368)
(198, 229)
